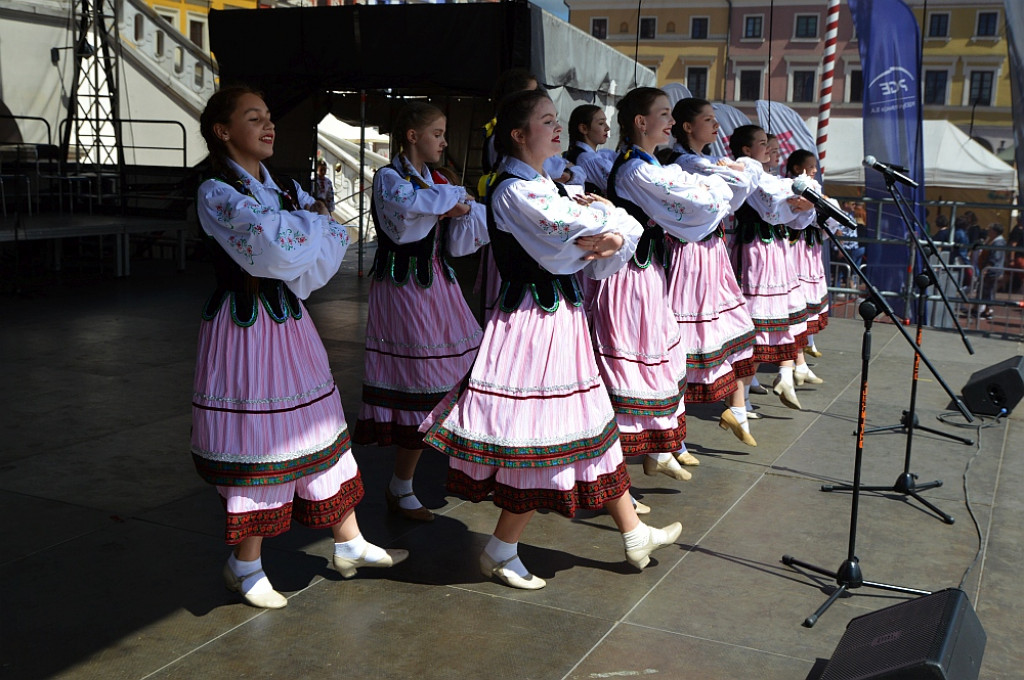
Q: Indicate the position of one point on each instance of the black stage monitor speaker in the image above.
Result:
(995, 388)
(935, 637)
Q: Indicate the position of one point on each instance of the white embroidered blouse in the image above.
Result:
(302, 248)
(547, 224)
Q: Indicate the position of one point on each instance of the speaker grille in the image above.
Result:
(885, 642)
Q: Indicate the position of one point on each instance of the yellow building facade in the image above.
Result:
(190, 18)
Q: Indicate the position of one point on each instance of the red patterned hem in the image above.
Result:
(265, 523)
(773, 354)
(585, 495)
(653, 441)
(276, 521)
(744, 368)
(327, 513)
(709, 393)
(819, 324)
(386, 434)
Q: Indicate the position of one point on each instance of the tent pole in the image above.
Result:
(362, 166)
(829, 65)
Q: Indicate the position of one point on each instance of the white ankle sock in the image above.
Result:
(801, 369)
(638, 537)
(682, 447)
(747, 405)
(257, 583)
(354, 550)
(810, 341)
(746, 392)
(661, 457)
(499, 551)
(741, 417)
(400, 487)
(753, 381)
(786, 373)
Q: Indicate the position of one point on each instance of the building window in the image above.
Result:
(935, 87)
(599, 28)
(804, 83)
(699, 28)
(856, 82)
(697, 81)
(806, 26)
(988, 24)
(938, 25)
(197, 32)
(648, 28)
(750, 85)
(753, 26)
(981, 88)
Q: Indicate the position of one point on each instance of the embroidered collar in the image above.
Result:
(636, 152)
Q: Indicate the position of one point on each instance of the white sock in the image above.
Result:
(747, 404)
(753, 382)
(353, 550)
(801, 369)
(810, 341)
(786, 373)
(746, 392)
(499, 551)
(638, 537)
(682, 447)
(400, 487)
(258, 582)
(661, 457)
(741, 417)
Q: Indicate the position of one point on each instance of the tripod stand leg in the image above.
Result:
(791, 561)
(962, 440)
(948, 519)
(813, 618)
(887, 428)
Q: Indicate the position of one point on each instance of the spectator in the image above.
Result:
(975, 234)
(991, 263)
(323, 186)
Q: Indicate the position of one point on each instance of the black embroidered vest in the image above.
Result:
(242, 288)
(520, 272)
(396, 260)
(652, 243)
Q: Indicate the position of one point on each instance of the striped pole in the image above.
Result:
(828, 70)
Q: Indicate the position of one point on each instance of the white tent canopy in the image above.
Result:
(951, 158)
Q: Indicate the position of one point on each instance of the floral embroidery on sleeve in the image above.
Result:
(243, 247)
(558, 228)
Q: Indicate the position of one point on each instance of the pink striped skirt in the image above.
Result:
(533, 424)
(774, 297)
(420, 343)
(641, 358)
(712, 317)
(268, 427)
(810, 269)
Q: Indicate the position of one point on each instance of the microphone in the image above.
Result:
(825, 205)
(889, 171)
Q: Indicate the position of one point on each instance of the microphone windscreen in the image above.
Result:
(870, 161)
(799, 185)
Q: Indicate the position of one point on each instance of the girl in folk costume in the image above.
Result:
(703, 292)
(588, 129)
(639, 348)
(806, 250)
(532, 424)
(421, 337)
(509, 82)
(267, 424)
(765, 267)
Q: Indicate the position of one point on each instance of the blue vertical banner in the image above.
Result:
(890, 57)
(1015, 47)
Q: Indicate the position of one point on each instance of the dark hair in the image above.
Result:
(996, 227)
(218, 110)
(514, 114)
(581, 115)
(637, 102)
(941, 221)
(415, 115)
(797, 158)
(771, 136)
(686, 111)
(511, 81)
(741, 137)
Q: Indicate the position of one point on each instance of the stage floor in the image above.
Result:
(113, 546)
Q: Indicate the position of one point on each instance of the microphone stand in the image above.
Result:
(906, 484)
(849, 575)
